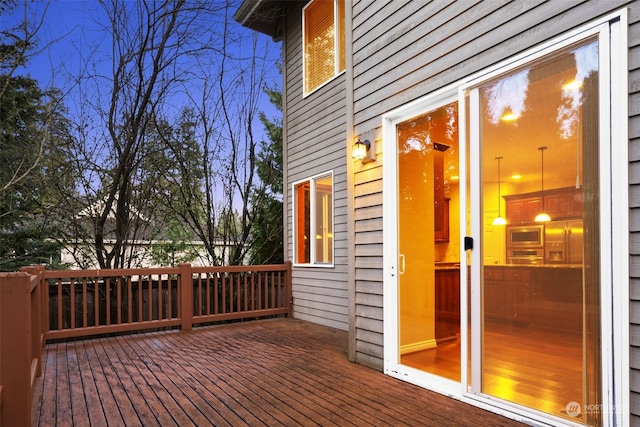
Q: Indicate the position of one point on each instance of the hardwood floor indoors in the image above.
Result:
(533, 367)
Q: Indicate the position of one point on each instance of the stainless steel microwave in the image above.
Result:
(525, 236)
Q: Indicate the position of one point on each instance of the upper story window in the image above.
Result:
(323, 41)
(313, 220)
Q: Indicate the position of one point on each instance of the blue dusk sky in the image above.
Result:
(73, 31)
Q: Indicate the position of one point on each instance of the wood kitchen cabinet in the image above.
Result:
(507, 294)
(543, 298)
(447, 303)
(442, 227)
(517, 306)
(522, 210)
(566, 204)
(558, 299)
(559, 203)
(493, 298)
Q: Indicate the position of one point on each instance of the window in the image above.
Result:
(323, 42)
(313, 221)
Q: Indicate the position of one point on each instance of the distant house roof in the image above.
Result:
(262, 16)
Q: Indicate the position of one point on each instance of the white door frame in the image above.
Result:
(392, 267)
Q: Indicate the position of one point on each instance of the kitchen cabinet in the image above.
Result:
(493, 300)
(522, 210)
(559, 203)
(440, 202)
(517, 306)
(507, 294)
(447, 303)
(538, 297)
(558, 299)
(566, 204)
(442, 227)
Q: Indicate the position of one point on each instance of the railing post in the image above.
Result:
(288, 290)
(16, 354)
(39, 312)
(186, 296)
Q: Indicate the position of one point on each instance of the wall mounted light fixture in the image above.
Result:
(509, 116)
(363, 151)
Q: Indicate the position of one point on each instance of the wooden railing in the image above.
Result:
(89, 302)
(37, 305)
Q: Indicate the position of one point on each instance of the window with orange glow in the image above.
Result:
(313, 221)
(323, 42)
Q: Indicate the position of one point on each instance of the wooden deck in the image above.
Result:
(273, 372)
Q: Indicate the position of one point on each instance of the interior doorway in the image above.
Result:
(428, 242)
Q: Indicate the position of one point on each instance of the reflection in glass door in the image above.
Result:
(538, 138)
(428, 242)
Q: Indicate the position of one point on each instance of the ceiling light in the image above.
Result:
(499, 220)
(542, 216)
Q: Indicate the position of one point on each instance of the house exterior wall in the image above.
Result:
(315, 128)
(402, 51)
(391, 69)
(634, 205)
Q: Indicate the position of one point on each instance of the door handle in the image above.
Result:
(401, 261)
(468, 243)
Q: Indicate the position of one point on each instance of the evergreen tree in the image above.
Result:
(32, 156)
(267, 244)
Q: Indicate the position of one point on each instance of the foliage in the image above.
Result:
(123, 137)
(33, 155)
(267, 243)
(135, 164)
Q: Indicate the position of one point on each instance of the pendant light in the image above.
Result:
(499, 220)
(542, 216)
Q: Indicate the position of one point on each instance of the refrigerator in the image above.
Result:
(563, 242)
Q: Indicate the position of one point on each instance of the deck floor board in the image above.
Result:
(279, 372)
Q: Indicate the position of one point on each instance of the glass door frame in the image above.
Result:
(611, 32)
(392, 264)
(612, 225)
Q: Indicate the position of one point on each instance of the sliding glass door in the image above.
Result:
(536, 135)
(493, 220)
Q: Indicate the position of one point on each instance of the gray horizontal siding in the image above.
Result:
(634, 203)
(315, 133)
(479, 36)
(368, 247)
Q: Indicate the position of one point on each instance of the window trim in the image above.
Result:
(336, 48)
(294, 220)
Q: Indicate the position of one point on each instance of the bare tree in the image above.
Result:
(123, 96)
(226, 119)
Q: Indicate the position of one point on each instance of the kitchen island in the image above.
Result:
(539, 296)
(546, 297)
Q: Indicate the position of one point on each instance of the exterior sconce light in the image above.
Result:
(362, 150)
(509, 115)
